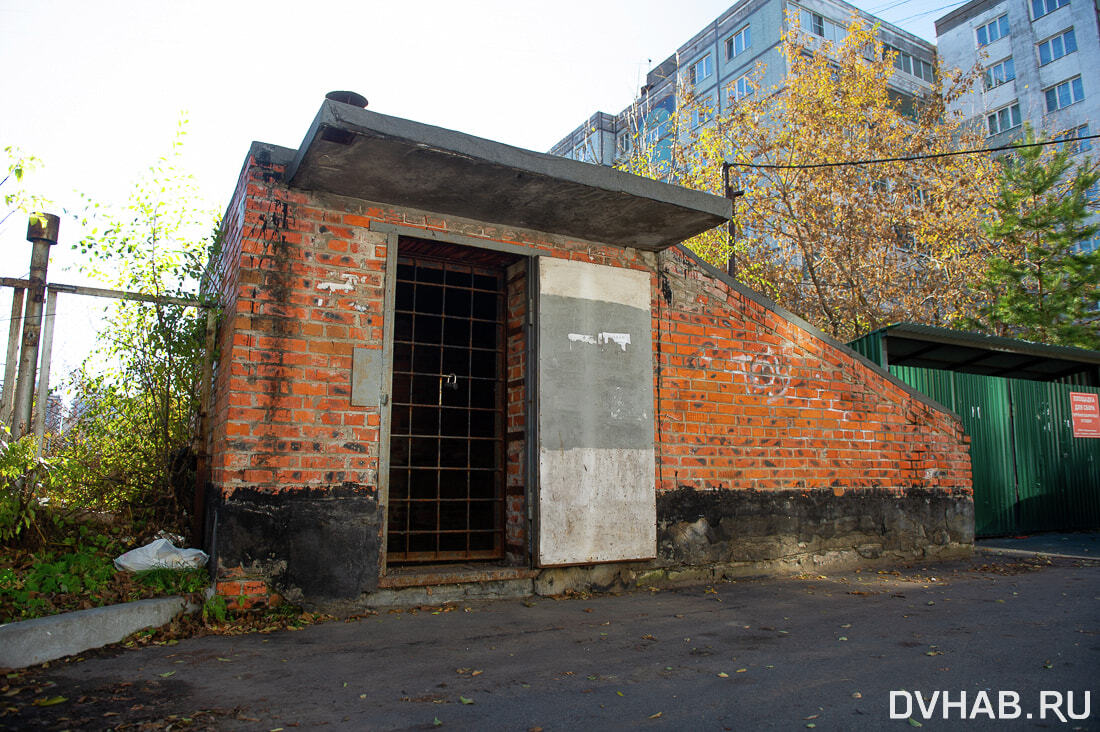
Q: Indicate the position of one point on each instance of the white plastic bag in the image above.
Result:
(160, 553)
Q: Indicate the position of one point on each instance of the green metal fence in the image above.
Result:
(1030, 472)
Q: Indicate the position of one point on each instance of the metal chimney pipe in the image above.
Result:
(348, 97)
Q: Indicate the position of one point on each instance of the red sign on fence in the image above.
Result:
(1085, 409)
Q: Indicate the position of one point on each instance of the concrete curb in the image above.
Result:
(30, 642)
(1034, 553)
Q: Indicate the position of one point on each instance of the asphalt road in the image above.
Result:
(796, 653)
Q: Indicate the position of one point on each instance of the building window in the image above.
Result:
(580, 152)
(1000, 73)
(1071, 140)
(993, 30)
(702, 111)
(740, 89)
(1003, 119)
(1039, 8)
(1062, 95)
(1057, 47)
(819, 26)
(701, 69)
(1087, 246)
(622, 142)
(811, 22)
(738, 42)
(909, 64)
(657, 132)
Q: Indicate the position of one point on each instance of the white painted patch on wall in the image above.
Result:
(599, 282)
(622, 340)
(348, 285)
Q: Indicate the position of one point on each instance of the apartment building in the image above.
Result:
(717, 62)
(1041, 62)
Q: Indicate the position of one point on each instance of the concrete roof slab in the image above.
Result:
(354, 152)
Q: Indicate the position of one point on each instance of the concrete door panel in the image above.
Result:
(597, 499)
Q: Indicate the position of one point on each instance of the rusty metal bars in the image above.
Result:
(447, 466)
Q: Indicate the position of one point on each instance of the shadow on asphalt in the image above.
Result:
(812, 651)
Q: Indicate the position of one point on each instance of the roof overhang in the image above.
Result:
(353, 152)
(925, 346)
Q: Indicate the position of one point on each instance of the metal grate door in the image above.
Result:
(446, 443)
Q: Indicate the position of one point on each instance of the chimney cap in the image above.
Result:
(348, 97)
(43, 227)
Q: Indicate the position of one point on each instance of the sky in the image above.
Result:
(95, 90)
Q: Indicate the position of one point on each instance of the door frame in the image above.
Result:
(394, 233)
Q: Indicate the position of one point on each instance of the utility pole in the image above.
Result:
(731, 228)
(42, 234)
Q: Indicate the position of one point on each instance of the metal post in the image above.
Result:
(42, 234)
(203, 442)
(44, 370)
(8, 399)
(731, 227)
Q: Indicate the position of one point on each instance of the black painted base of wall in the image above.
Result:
(697, 527)
(306, 544)
(322, 548)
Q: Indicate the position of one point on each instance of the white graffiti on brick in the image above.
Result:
(764, 373)
(347, 285)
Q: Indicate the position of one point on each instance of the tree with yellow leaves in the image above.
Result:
(848, 247)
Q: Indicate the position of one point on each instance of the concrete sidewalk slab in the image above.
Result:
(30, 642)
(1074, 545)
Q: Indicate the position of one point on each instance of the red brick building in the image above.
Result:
(446, 362)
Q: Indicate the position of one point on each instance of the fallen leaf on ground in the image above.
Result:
(464, 700)
(655, 716)
(49, 701)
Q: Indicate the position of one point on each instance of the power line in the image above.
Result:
(975, 151)
(929, 12)
(889, 6)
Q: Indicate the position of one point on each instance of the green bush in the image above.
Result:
(82, 571)
(24, 478)
(174, 581)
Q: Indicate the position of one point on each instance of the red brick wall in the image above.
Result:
(749, 400)
(306, 290)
